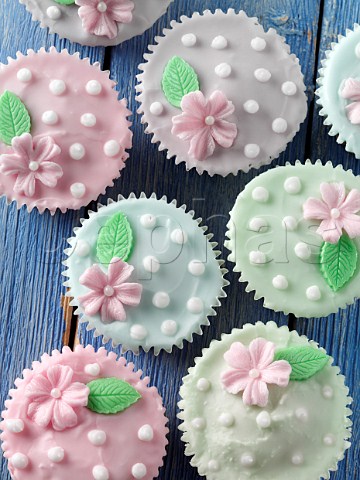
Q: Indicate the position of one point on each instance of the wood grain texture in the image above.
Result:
(31, 246)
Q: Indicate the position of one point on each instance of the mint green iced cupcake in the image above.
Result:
(264, 404)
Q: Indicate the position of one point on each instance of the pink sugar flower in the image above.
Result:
(203, 123)
(336, 210)
(351, 91)
(109, 292)
(101, 17)
(252, 369)
(30, 161)
(54, 396)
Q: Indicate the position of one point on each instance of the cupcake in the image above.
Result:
(143, 273)
(221, 94)
(96, 22)
(83, 415)
(339, 90)
(264, 403)
(63, 133)
(294, 234)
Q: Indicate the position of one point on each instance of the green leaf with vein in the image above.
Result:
(115, 239)
(111, 395)
(65, 2)
(14, 117)
(338, 262)
(305, 361)
(178, 80)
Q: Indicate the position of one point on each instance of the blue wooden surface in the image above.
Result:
(31, 246)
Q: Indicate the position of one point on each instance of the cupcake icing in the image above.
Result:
(53, 429)
(302, 429)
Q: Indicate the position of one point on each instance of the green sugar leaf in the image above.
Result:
(178, 80)
(65, 2)
(14, 117)
(115, 239)
(305, 361)
(111, 395)
(338, 262)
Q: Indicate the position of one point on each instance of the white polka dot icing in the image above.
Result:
(14, 425)
(56, 454)
(138, 471)
(218, 60)
(88, 120)
(57, 87)
(77, 151)
(181, 281)
(188, 40)
(156, 108)
(50, 117)
(53, 12)
(24, 75)
(97, 437)
(19, 461)
(93, 369)
(146, 433)
(78, 190)
(111, 148)
(93, 87)
(100, 472)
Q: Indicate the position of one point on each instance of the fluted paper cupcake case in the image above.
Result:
(172, 331)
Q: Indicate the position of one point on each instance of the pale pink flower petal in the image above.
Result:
(25, 183)
(353, 113)
(185, 124)
(238, 356)
(224, 133)
(94, 278)
(11, 164)
(352, 202)
(38, 388)
(121, 11)
(60, 376)
(315, 209)
(105, 26)
(63, 416)
(220, 106)
(329, 230)
(41, 413)
(194, 104)
(23, 145)
(45, 149)
(129, 293)
(261, 353)
(333, 194)
(352, 225)
(91, 302)
(234, 381)
(49, 173)
(76, 395)
(351, 89)
(118, 271)
(256, 393)
(202, 145)
(112, 310)
(277, 372)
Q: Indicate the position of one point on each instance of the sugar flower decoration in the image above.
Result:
(202, 122)
(30, 161)
(351, 91)
(53, 397)
(101, 17)
(337, 211)
(252, 369)
(109, 292)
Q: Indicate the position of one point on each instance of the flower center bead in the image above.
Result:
(33, 166)
(55, 393)
(210, 120)
(335, 213)
(254, 373)
(108, 291)
(101, 7)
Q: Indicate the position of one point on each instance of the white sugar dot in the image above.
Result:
(297, 458)
(289, 88)
(161, 300)
(92, 369)
(195, 305)
(24, 75)
(97, 437)
(251, 106)
(156, 108)
(302, 414)
(188, 40)
(357, 50)
(247, 459)
(258, 44)
(138, 470)
(146, 433)
(100, 473)
(19, 460)
(226, 420)
(260, 194)
(223, 70)
(219, 42)
(56, 454)
(329, 440)
(251, 150)
(280, 282)
(263, 419)
(302, 250)
(77, 190)
(292, 185)
(262, 75)
(93, 87)
(57, 87)
(15, 425)
(53, 12)
(198, 423)
(49, 117)
(257, 258)
(148, 220)
(213, 465)
(279, 125)
(82, 248)
(289, 223)
(327, 392)
(88, 120)
(169, 327)
(313, 293)
(151, 264)
(203, 384)
(138, 332)
(257, 223)
(196, 268)
(178, 236)
(77, 151)
(111, 148)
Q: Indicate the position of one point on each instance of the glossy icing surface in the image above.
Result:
(98, 444)
(301, 433)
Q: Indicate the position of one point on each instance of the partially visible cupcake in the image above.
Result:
(144, 273)
(83, 415)
(96, 22)
(63, 132)
(221, 94)
(264, 403)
